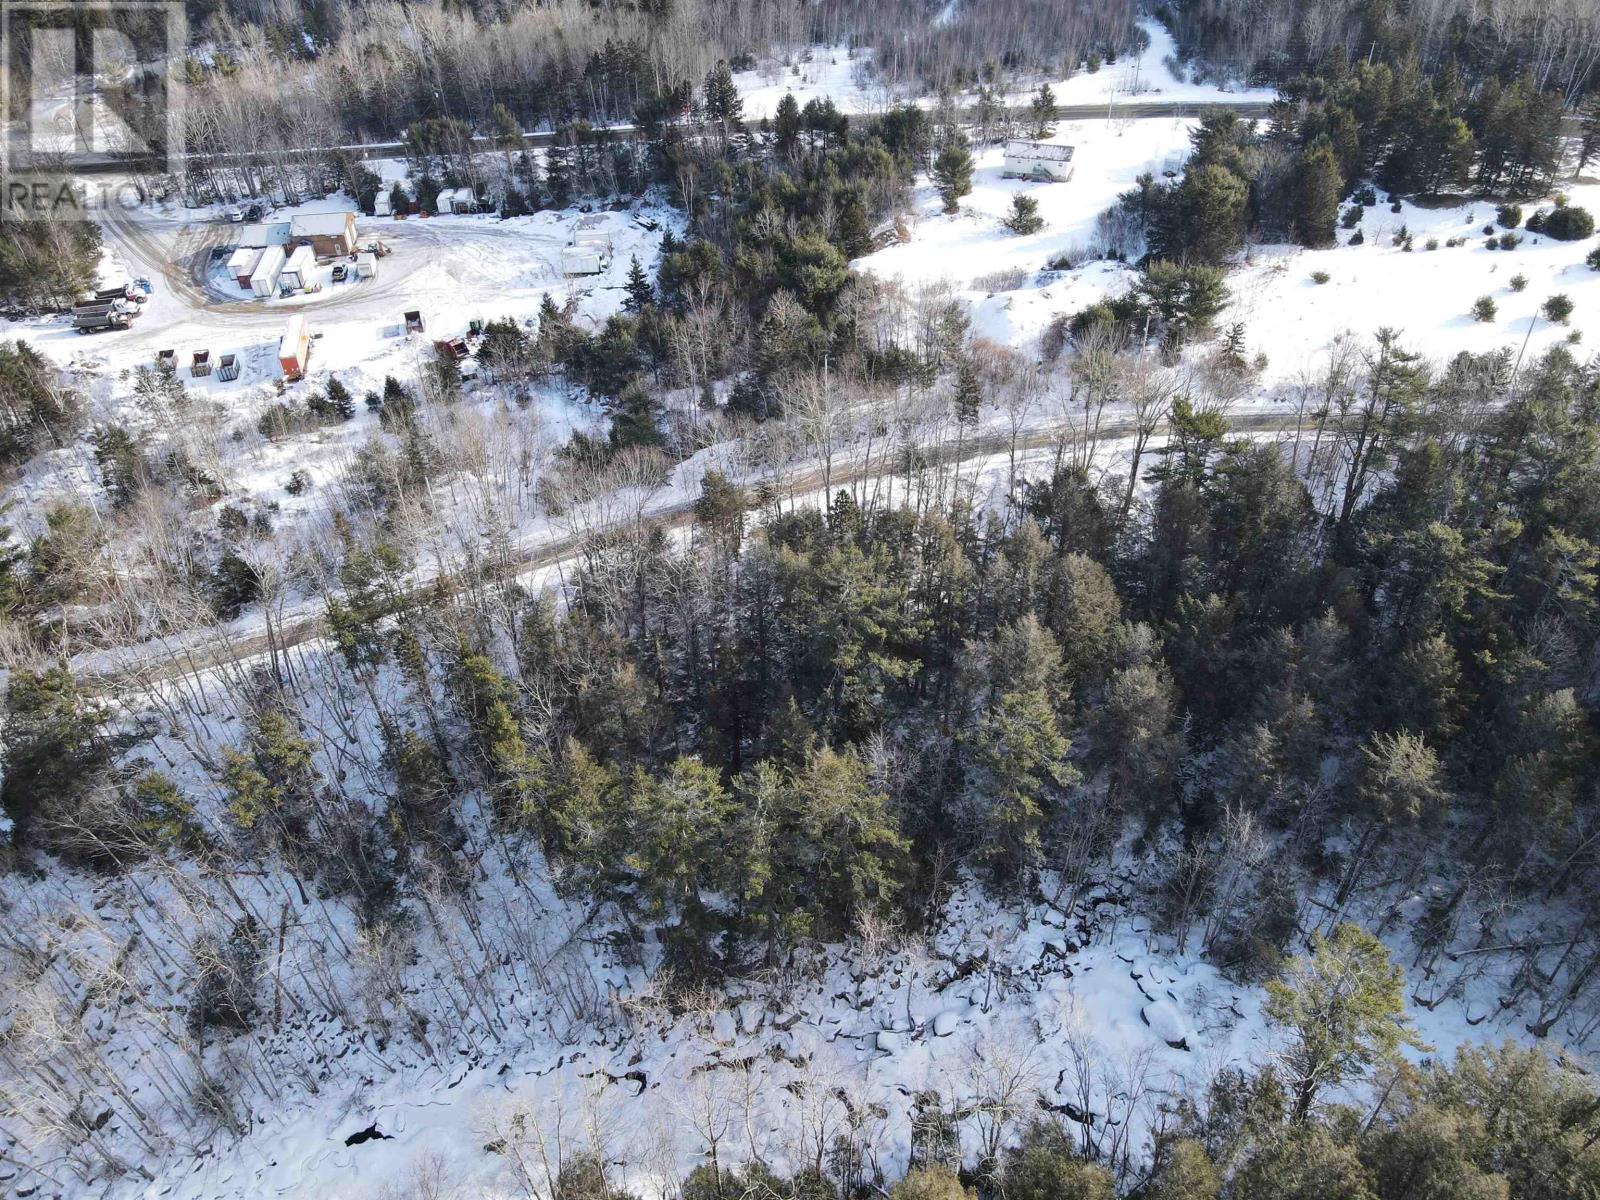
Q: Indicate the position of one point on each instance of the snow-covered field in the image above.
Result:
(1426, 294)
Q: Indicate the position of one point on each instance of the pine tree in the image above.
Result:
(1042, 112)
(969, 393)
(952, 173)
(1021, 757)
(340, 402)
(1343, 1010)
(640, 294)
(723, 104)
(1317, 189)
(1024, 217)
(786, 126)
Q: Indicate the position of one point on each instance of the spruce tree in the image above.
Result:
(340, 402)
(1042, 112)
(786, 126)
(640, 294)
(952, 173)
(1317, 188)
(1024, 217)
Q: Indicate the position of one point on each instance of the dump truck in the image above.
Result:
(98, 320)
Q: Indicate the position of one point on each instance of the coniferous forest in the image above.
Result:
(1304, 697)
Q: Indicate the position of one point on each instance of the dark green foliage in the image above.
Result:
(1024, 217)
(1558, 308)
(1186, 299)
(46, 265)
(37, 412)
(952, 173)
(57, 751)
(1569, 224)
(1317, 189)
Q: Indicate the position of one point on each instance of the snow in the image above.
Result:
(1425, 294)
(846, 78)
(1167, 1023)
(813, 73)
(454, 269)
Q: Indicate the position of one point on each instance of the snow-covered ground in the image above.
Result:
(1426, 294)
(452, 269)
(1081, 1004)
(846, 77)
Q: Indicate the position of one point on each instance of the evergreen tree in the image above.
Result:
(1318, 186)
(952, 173)
(786, 127)
(1343, 1011)
(1042, 112)
(640, 294)
(1021, 757)
(340, 402)
(1024, 217)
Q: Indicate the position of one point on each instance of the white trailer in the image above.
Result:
(457, 200)
(366, 265)
(588, 251)
(297, 271)
(264, 279)
(242, 264)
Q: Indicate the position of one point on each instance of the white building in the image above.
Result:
(1043, 161)
(382, 204)
(271, 233)
(242, 264)
(297, 271)
(264, 279)
(457, 200)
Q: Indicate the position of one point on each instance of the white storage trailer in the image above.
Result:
(297, 271)
(264, 279)
(242, 264)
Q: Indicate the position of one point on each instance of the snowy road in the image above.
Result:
(151, 664)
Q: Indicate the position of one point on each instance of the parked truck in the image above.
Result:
(98, 320)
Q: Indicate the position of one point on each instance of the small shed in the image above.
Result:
(1043, 161)
(260, 236)
(382, 204)
(294, 347)
(242, 264)
(264, 279)
(366, 265)
(329, 234)
(297, 271)
(228, 368)
(458, 200)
